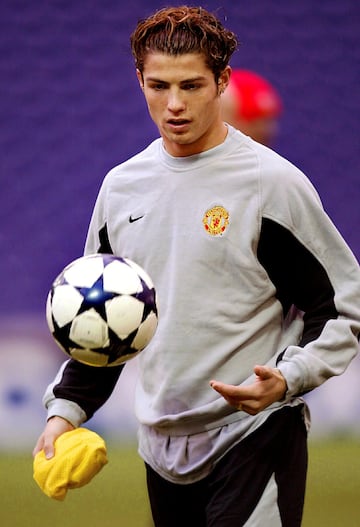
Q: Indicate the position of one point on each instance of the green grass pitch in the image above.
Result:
(117, 495)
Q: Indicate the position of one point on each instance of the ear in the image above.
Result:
(224, 79)
(140, 78)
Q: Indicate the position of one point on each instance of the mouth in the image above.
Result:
(178, 124)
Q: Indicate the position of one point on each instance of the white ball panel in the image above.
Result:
(145, 332)
(89, 357)
(83, 272)
(120, 278)
(65, 304)
(49, 313)
(89, 330)
(124, 314)
(124, 358)
(140, 271)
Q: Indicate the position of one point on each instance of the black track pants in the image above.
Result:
(259, 482)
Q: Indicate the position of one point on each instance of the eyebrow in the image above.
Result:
(185, 81)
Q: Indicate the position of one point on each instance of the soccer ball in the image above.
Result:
(101, 310)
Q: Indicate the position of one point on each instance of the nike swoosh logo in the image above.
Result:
(131, 219)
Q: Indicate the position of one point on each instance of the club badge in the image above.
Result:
(216, 220)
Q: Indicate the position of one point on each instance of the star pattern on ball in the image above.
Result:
(95, 297)
(147, 296)
(102, 327)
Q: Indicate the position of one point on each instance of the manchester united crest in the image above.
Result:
(216, 220)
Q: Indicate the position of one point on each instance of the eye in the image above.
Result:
(158, 86)
(190, 86)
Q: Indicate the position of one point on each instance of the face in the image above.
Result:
(184, 101)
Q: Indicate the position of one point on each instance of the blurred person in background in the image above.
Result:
(252, 105)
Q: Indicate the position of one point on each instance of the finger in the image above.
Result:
(38, 447)
(263, 372)
(230, 391)
(49, 449)
(216, 384)
(224, 389)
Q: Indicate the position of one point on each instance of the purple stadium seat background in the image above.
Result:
(70, 109)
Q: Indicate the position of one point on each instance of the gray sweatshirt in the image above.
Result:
(248, 269)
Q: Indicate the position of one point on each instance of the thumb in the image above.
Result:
(263, 372)
(49, 449)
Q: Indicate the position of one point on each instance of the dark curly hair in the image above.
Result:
(184, 29)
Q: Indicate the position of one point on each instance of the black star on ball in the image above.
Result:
(95, 297)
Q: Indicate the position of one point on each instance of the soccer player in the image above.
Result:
(259, 295)
(252, 105)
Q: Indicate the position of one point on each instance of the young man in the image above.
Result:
(252, 105)
(258, 295)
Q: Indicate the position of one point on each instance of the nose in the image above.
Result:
(176, 102)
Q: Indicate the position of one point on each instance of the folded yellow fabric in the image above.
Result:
(79, 455)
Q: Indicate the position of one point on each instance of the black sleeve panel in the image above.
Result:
(105, 247)
(298, 276)
(88, 386)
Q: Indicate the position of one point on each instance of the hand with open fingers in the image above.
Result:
(55, 427)
(269, 387)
